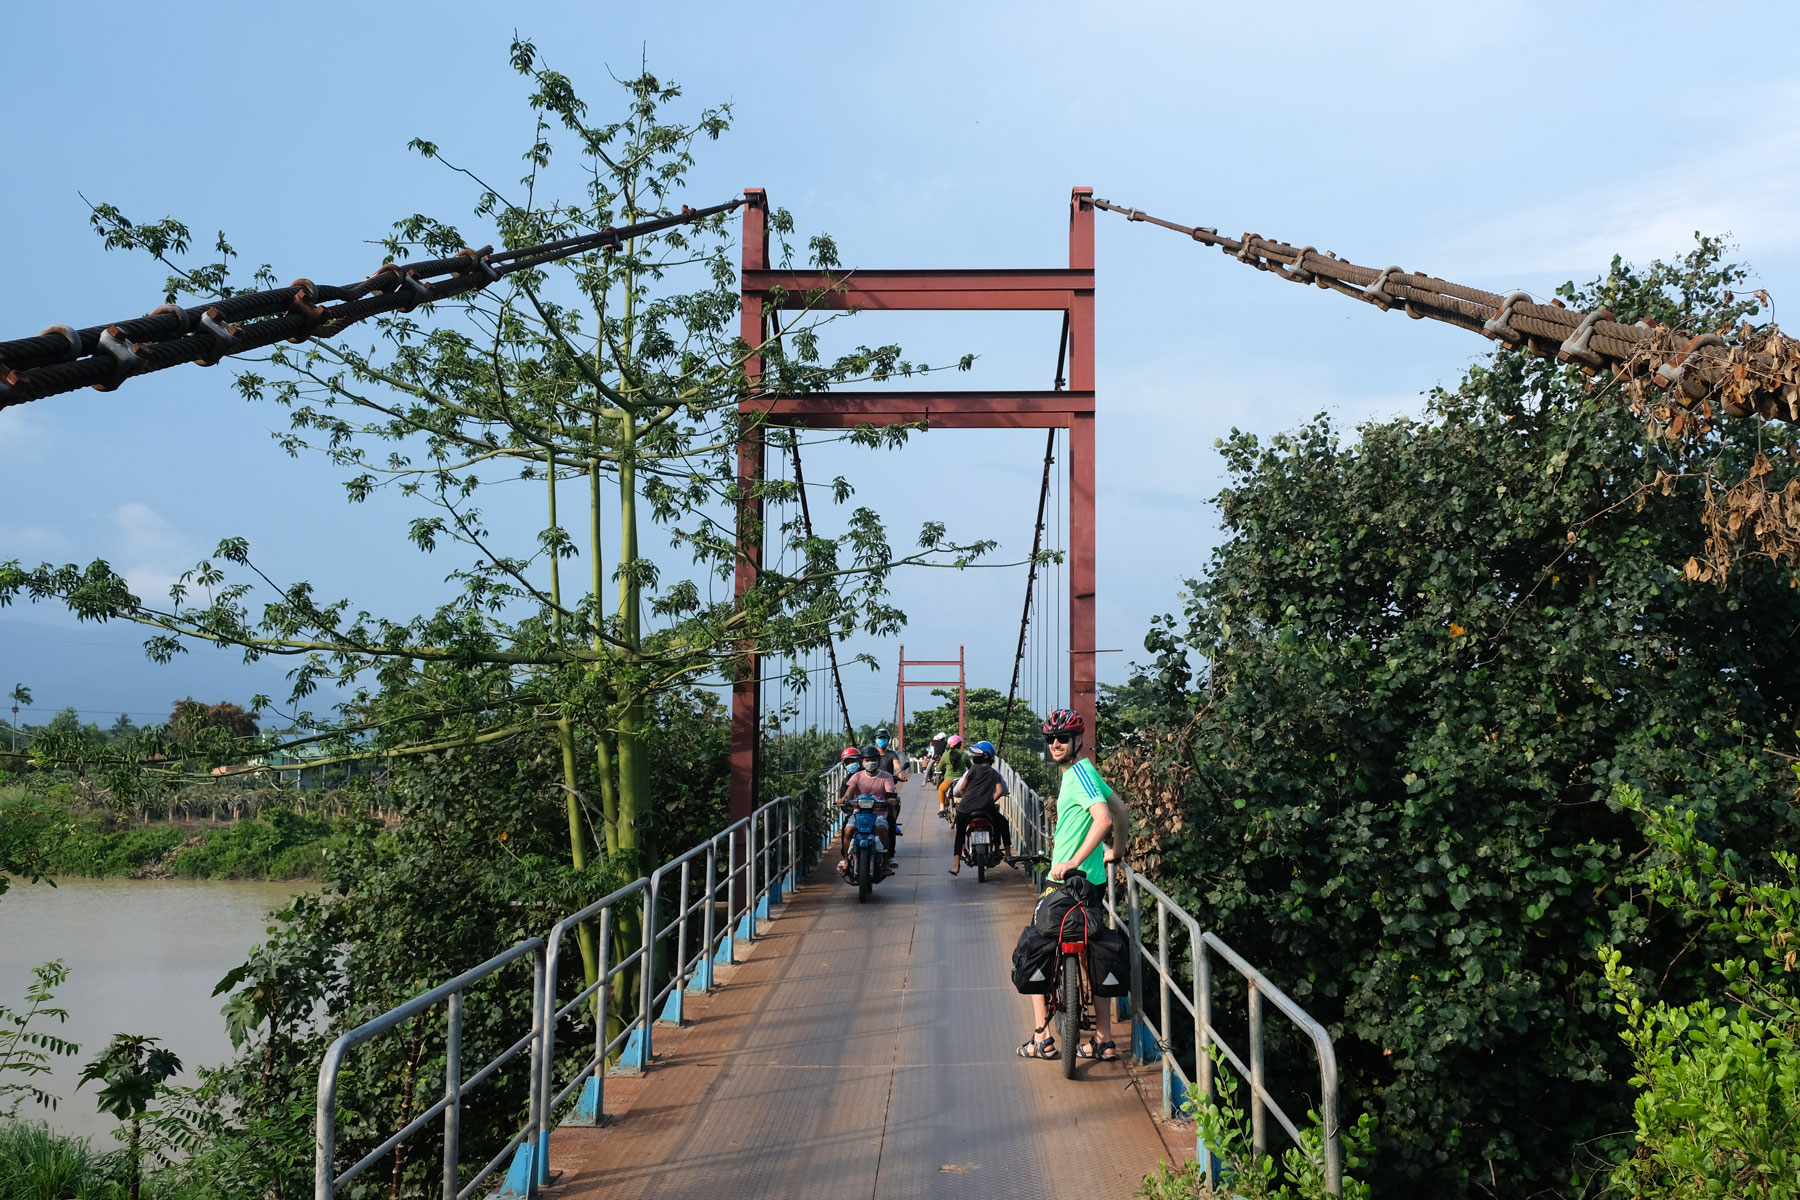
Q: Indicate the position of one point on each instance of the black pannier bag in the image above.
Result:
(1053, 908)
(1035, 963)
(1109, 962)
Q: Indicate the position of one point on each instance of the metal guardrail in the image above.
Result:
(1195, 995)
(326, 1182)
(1027, 811)
(762, 862)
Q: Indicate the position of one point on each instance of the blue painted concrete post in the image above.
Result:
(521, 1176)
(703, 976)
(589, 1107)
(635, 1056)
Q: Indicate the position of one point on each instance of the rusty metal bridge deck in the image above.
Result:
(868, 1050)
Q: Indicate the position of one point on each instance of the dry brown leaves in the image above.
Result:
(1680, 384)
(1156, 776)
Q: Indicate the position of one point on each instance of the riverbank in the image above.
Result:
(278, 845)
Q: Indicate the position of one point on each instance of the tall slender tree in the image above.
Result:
(621, 369)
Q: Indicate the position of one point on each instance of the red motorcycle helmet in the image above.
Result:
(1064, 720)
(850, 754)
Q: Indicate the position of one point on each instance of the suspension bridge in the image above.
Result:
(769, 1035)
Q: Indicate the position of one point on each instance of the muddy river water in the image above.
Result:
(143, 958)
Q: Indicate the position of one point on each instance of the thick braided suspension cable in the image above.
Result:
(1760, 375)
(63, 359)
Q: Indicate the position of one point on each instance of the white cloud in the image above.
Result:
(23, 541)
(149, 552)
(1744, 188)
(22, 435)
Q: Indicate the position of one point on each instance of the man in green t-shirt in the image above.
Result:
(1087, 811)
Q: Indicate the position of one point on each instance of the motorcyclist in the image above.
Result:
(955, 762)
(978, 795)
(934, 756)
(892, 761)
(871, 780)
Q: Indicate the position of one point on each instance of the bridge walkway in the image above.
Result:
(868, 1050)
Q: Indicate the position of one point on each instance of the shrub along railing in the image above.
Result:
(724, 885)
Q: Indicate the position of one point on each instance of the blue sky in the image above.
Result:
(1506, 145)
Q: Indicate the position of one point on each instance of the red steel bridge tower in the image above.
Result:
(1068, 290)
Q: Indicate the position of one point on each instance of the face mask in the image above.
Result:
(882, 742)
(870, 766)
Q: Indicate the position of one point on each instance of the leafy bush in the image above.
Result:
(1391, 718)
(1719, 1113)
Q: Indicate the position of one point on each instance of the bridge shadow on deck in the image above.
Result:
(867, 1050)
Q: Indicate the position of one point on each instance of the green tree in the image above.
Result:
(1399, 703)
(131, 1071)
(987, 715)
(19, 695)
(26, 1053)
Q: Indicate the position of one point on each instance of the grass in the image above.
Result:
(36, 1164)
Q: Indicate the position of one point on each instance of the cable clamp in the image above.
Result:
(1378, 295)
(1198, 231)
(183, 317)
(69, 335)
(223, 336)
(1297, 273)
(394, 272)
(1499, 327)
(1674, 372)
(480, 260)
(1246, 254)
(417, 285)
(306, 295)
(124, 357)
(1575, 348)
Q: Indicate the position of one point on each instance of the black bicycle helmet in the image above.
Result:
(1064, 720)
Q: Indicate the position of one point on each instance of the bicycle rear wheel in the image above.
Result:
(1070, 1017)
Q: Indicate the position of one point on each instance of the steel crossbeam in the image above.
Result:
(1048, 290)
(1068, 290)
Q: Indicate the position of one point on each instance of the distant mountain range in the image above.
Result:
(101, 671)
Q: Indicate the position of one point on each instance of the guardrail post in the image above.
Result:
(325, 1126)
(1169, 1084)
(747, 927)
(640, 1041)
(728, 944)
(671, 1013)
(1203, 1063)
(775, 871)
(531, 1163)
(453, 1093)
(1259, 1132)
(1140, 1031)
(703, 965)
(590, 1109)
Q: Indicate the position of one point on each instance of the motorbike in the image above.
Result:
(867, 861)
(981, 847)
